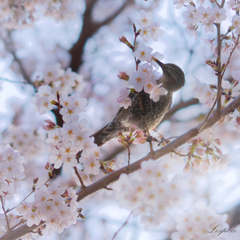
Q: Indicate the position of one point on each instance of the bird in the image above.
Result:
(149, 112)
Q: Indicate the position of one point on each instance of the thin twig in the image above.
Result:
(181, 155)
(12, 81)
(5, 213)
(129, 155)
(79, 177)
(230, 55)
(217, 3)
(223, 2)
(219, 65)
(122, 226)
(9, 44)
(9, 210)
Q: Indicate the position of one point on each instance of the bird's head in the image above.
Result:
(173, 77)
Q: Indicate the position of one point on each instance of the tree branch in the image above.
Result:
(89, 28)
(180, 106)
(104, 182)
(10, 47)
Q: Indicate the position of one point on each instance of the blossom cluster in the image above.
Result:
(204, 155)
(201, 223)
(57, 81)
(204, 93)
(149, 29)
(11, 171)
(18, 14)
(208, 16)
(234, 5)
(145, 78)
(65, 82)
(29, 142)
(54, 205)
(151, 191)
(64, 143)
(44, 99)
(207, 93)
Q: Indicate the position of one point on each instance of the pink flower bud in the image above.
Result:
(186, 169)
(123, 76)
(51, 125)
(133, 128)
(47, 165)
(123, 39)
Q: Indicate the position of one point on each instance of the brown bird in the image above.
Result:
(172, 80)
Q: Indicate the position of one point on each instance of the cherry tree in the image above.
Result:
(73, 64)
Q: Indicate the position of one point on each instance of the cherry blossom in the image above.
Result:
(180, 3)
(205, 14)
(146, 19)
(51, 73)
(150, 181)
(149, 87)
(203, 93)
(123, 99)
(157, 91)
(51, 206)
(220, 14)
(146, 33)
(143, 53)
(79, 102)
(91, 166)
(11, 170)
(189, 16)
(70, 113)
(236, 22)
(198, 223)
(156, 31)
(137, 80)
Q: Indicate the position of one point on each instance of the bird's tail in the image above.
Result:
(105, 134)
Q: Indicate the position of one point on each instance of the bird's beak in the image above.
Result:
(158, 62)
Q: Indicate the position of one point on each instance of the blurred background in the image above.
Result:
(84, 35)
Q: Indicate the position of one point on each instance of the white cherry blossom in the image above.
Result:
(146, 19)
(137, 80)
(157, 91)
(143, 53)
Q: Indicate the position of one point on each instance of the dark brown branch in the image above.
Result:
(180, 106)
(113, 16)
(89, 28)
(79, 178)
